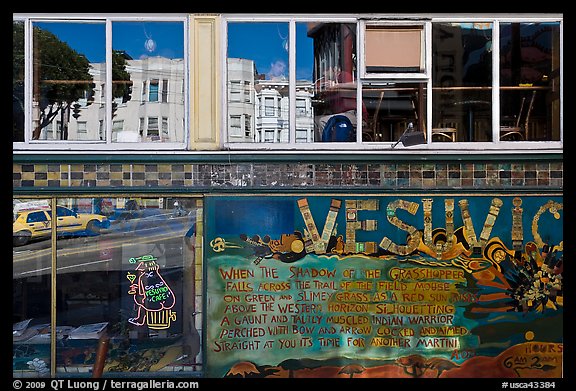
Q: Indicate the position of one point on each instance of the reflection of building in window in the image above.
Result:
(165, 91)
(117, 127)
(235, 125)
(152, 132)
(150, 78)
(82, 127)
(153, 94)
(165, 127)
(235, 91)
(247, 125)
(268, 110)
(269, 106)
(247, 91)
(241, 72)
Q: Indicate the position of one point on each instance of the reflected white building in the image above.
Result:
(154, 112)
(258, 110)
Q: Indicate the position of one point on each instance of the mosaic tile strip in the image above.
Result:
(373, 176)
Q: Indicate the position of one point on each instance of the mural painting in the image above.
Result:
(384, 286)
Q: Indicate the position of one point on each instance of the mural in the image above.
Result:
(384, 286)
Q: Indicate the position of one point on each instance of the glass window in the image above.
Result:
(235, 130)
(31, 286)
(247, 125)
(269, 109)
(334, 78)
(462, 80)
(65, 70)
(262, 66)
(530, 81)
(165, 132)
(391, 108)
(235, 91)
(153, 133)
(67, 63)
(300, 107)
(148, 52)
(18, 81)
(247, 91)
(125, 267)
(82, 127)
(153, 95)
(165, 91)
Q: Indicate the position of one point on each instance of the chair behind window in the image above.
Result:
(519, 130)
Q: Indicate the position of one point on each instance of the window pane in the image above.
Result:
(127, 265)
(393, 49)
(530, 81)
(149, 77)
(258, 60)
(153, 97)
(391, 108)
(334, 76)
(304, 84)
(31, 286)
(18, 81)
(68, 63)
(462, 79)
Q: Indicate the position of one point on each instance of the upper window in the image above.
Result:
(362, 83)
(86, 76)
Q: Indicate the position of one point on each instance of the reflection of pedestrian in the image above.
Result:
(131, 205)
(190, 237)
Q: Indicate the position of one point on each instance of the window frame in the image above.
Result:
(57, 146)
(426, 20)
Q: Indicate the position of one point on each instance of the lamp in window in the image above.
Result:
(150, 45)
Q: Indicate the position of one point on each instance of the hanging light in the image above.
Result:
(150, 45)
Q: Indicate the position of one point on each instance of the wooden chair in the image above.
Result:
(445, 131)
(519, 130)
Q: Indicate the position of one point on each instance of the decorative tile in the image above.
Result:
(390, 176)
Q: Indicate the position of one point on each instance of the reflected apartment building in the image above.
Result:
(258, 109)
(153, 111)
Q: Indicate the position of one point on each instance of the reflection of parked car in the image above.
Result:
(32, 224)
(148, 222)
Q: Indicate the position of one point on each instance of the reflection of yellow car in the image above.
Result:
(32, 224)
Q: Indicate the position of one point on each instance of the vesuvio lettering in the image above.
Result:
(414, 236)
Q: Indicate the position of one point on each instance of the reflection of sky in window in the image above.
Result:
(86, 38)
(131, 38)
(267, 45)
(90, 38)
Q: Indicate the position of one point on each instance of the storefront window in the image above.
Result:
(462, 80)
(31, 287)
(126, 272)
(530, 81)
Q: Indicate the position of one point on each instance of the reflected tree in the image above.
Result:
(60, 77)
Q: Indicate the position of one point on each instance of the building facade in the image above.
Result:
(371, 195)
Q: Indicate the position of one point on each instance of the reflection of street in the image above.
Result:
(90, 253)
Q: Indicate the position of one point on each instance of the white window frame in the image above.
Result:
(424, 54)
(79, 146)
(426, 20)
